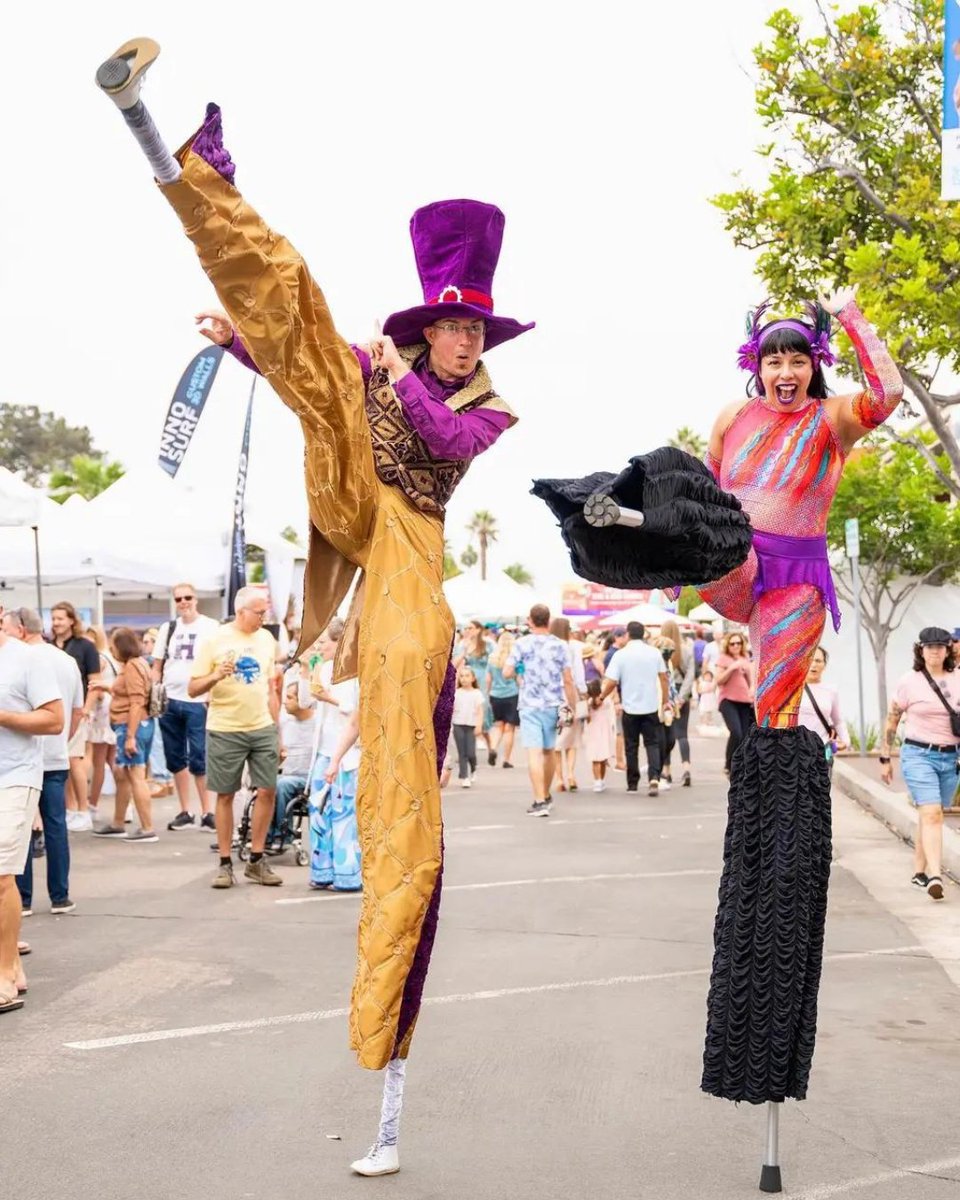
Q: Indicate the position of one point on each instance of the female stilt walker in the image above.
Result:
(780, 453)
(389, 433)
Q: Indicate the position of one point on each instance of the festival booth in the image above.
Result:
(20, 509)
(497, 598)
(649, 616)
(121, 552)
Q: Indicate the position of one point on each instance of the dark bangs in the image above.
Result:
(790, 341)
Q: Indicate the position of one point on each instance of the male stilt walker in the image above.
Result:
(779, 454)
(389, 433)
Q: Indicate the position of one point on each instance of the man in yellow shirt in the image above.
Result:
(236, 666)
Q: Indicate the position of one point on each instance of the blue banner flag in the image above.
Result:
(950, 146)
(186, 407)
(238, 542)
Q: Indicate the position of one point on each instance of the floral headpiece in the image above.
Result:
(816, 332)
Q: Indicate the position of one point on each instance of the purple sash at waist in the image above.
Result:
(783, 560)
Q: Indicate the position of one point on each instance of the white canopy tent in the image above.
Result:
(21, 507)
(136, 539)
(649, 615)
(497, 598)
(703, 612)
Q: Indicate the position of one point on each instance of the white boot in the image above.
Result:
(122, 74)
(378, 1160)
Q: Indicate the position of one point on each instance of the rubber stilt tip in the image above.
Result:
(113, 73)
(770, 1179)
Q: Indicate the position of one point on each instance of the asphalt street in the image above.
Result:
(182, 1042)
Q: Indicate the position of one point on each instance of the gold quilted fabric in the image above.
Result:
(405, 626)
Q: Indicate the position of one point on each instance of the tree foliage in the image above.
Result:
(469, 558)
(518, 573)
(852, 194)
(85, 476)
(34, 444)
(483, 525)
(908, 537)
(450, 568)
(688, 439)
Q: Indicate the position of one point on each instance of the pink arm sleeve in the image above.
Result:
(447, 434)
(712, 464)
(885, 387)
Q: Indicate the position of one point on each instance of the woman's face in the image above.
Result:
(785, 379)
(327, 647)
(934, 656)
(148, 643)
(735, 646)
(816, 668)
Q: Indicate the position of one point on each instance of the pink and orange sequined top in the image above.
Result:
(784, 467)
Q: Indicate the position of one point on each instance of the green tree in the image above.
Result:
(852, 194)
(689, 598)
(519, 573)
(469, 558)
(908, 537)
(450, 568)
(85, 476)
(483, 525)
(35, 443)
(686, 439)
(289, 534)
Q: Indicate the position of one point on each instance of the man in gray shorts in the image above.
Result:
(237, 666)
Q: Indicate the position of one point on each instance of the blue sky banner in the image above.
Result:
(186, 407)
(950, 160)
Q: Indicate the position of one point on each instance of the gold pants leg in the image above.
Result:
(406, 628)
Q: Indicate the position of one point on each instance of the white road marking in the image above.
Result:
(328, 1014)
(856, 1185)
(502, 883)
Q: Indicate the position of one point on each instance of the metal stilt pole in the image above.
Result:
(602, 511)
(770, 1172)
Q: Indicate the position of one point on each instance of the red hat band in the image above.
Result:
(454, 295)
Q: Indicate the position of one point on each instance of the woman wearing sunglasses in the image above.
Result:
(736, 687)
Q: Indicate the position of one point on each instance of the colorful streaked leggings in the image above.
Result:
(786, 626)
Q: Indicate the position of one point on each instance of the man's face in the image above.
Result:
(186, 602)
(455, 347)
(620, 640)
(60, 623)
(251, 618)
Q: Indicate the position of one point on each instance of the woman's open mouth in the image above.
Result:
(786, 392)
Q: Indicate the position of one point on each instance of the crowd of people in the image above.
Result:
(237, 717)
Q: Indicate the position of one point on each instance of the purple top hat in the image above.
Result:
(457, 245)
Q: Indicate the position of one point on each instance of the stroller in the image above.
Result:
(288, 835)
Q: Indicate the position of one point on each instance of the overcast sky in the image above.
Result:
(600, 129)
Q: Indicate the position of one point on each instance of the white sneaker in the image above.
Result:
(599, 786)
(665, 786)
(84, 822)
(468, 782)
(378, 1160)
(72, 815)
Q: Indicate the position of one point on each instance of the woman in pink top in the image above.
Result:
(928, 756)
(735, 689)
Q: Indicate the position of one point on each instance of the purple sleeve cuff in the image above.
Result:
(363, 358)
(241, 354)
(447, 434)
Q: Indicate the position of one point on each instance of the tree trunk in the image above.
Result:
(938, 418)
(483, 555)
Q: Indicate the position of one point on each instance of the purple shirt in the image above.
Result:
(445, 433)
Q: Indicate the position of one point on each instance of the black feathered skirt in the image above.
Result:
(693, 531)
(768, 935)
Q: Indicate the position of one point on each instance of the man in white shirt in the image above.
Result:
(26, 626)
(640, 672)
(183, 726)
(30, 706)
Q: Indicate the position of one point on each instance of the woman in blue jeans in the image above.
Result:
(924, 698)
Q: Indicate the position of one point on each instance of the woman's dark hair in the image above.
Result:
(593, 689)
(789, 341)
(560, 628)
(126, 643)
(949, 663)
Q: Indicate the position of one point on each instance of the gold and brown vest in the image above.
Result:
(399, 454)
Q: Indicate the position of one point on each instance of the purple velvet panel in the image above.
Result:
(417, 977)
(208, 144)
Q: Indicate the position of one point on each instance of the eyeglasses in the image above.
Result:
(475, 329)
(183, 599)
